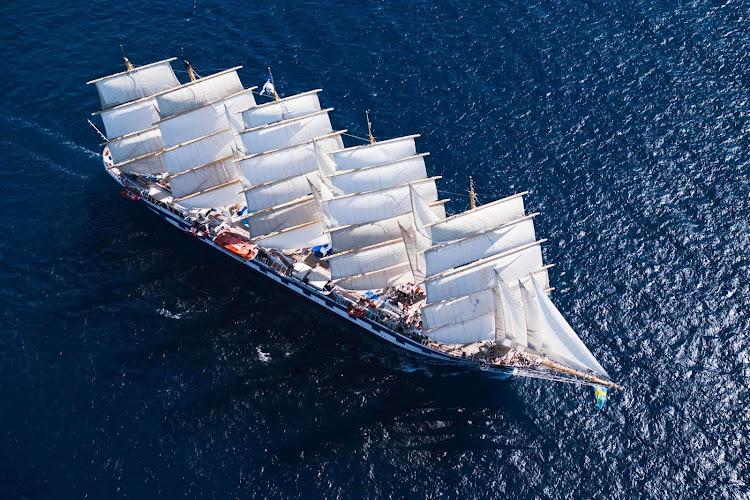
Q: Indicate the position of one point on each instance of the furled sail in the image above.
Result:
(376, 153)
(286, 133)
(194, 94)
(294, 106)
(143, 81)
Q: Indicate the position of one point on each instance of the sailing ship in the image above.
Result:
(358, 229)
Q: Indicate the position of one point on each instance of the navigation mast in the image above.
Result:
(472, 194)
(273, 89)
(188, 66)
(369, 128)
(128, 65)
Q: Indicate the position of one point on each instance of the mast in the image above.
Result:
(472, 194)
(369, 128)
(188, 67)
(128, 65)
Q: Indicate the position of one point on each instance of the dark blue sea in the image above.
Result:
(135, 363)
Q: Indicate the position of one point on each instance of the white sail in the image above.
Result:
(326, 167)
(316, 189)
(137, 83)
(375, 154)
(128, 118)
(416, 259)
(303, 236)
(203, 177)
(510, 320)
(450, 255)
(365, 260)
(274, 219)
(206, 90)
(275, 111)
(372, 233)
(535, 328)
(135, 145)
(217, 196)
(377, 280)
(205, 120)
(467, 332)
(383, 176)
(199, 151)
(377, 205)
(278, 192)
(286, 133)
(558, 336)
(422, 213)
(511, 266)
(287, 162)
(481, 219)
(149, 164)
(459, 310)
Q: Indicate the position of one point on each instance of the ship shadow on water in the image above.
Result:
(425, 410)
(334, 386)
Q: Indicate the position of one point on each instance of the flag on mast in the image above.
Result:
(268, 87)
(601, 396)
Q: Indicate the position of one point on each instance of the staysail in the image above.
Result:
(485, 280)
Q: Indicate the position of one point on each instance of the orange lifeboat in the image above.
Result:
(236, 244)
(131, 194)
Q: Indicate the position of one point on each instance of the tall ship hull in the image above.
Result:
(358, 230)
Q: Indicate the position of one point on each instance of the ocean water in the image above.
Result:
(134, 363)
